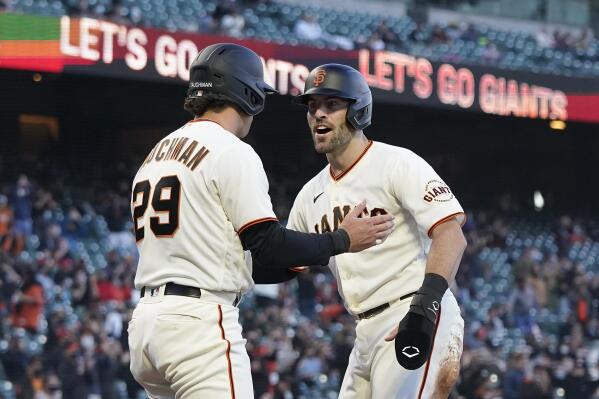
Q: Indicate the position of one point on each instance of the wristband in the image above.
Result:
(341, 241)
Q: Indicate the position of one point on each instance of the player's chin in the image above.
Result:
(321, 147)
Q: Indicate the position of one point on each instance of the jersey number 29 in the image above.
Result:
(170, 204)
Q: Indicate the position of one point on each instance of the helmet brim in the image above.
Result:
(268, 89)
(303, 99)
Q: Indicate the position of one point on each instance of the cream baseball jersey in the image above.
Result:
(392, 180)
(196, 191)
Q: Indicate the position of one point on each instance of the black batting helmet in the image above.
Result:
(233, 71)
(341, 81)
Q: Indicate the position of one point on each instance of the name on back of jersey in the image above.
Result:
(179, 149)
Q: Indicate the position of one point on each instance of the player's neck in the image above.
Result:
(230, 119)
(345, 157)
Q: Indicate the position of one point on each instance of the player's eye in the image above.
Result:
(333, 104)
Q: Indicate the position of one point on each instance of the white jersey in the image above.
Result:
(198, 189)
(392, 180)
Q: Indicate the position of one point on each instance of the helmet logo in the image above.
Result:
(319, 77)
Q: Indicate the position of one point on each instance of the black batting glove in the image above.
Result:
(414, 339)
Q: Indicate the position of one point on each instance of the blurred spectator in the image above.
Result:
(386, 34)
(438, 35)
(135, 15)
(308, 28)
(514, 377)
(71, 372)
(495, 326)
(491, 54)
(84, 289)
(120, 14)
(28, 303)
(208, 24)
(232, 23)
(544, 38)
(309, 366)
(480, 377)
(51, 388)
(283, 390)
(520, 305)
(538, 386)
(375, 43)
(54, 243)
(15, 363)
(113, 325)
(21, 203)
(585, 39)
(6, 222)
(306, 293)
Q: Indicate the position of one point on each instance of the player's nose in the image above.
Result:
(320, 113)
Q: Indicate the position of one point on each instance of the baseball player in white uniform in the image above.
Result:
(199, 200)
(409, 330)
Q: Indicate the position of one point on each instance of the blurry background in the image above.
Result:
(500, 96)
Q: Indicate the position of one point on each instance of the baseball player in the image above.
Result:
(199, 200)
(409, 331)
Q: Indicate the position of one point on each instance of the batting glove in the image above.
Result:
(416, 332)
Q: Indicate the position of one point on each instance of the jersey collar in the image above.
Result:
(340, 176)
(204, 120)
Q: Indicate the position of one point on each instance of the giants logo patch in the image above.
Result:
(319, 77)
(437, 191)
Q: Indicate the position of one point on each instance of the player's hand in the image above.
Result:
(413, 340)
(392, 334)
(364, 232)
(416, 331)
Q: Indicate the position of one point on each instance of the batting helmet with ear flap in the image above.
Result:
(233, 71)
(337, 80)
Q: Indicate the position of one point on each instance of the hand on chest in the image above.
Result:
(332, 203)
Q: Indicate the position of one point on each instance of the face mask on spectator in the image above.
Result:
(87, 342)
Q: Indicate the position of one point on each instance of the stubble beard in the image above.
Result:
(341, 137)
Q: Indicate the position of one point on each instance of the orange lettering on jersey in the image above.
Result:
(171, 148)
(159, 153)
(324, 222)
(197, 158)
(179, 147)
(378, 211)
(338, 217)
(185, 157)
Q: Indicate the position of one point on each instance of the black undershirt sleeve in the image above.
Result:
(275, 247)
(263, 275)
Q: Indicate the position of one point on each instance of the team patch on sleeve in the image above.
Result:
(437, 191)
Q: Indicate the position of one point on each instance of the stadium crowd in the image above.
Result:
(529, 292)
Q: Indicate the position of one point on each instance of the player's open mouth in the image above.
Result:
(321, 129)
